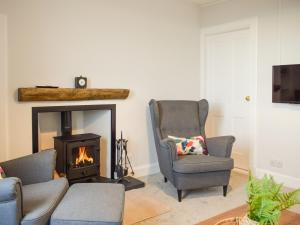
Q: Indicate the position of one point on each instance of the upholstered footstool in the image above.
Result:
(91, 204)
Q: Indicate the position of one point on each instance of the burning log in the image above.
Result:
(83, 158)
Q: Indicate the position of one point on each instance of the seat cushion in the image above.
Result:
(201, 163)
(40, 200)
(91, 203)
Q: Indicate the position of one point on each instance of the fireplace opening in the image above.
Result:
(67, 144)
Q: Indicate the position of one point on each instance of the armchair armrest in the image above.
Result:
(169, 145)
(35, 168)
(220, 146)
(167, 154)
(11, 201)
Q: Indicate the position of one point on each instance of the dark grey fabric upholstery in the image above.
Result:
(220, 146)
(168, 143)
(30, 204)
(35, 168)
(91, 204)
(186, 119)
(186, 115)
(189, 181)
(10, 201)
(41, 199)
(201, 163)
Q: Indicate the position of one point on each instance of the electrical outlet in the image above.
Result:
(276, 163)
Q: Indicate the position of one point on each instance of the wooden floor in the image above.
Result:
(287, 217)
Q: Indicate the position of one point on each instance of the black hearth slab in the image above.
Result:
(103, 180)
(130, 183)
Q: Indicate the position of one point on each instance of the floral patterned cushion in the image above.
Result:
(2, 174)
(191, 145)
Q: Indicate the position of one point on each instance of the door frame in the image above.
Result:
(4, 90)
(251, 25)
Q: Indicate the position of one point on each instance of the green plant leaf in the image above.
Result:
(266, 199)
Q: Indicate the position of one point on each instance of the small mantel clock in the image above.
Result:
(80, 82)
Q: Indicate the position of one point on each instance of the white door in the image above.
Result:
(229, 76)
(3, 90)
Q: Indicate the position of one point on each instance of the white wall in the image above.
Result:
(278, 125)
(50, 126)
(148, 46)
(151, 47)
(3, 89)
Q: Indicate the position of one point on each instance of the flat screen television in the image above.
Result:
(286, 84)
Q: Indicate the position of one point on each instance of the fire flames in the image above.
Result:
(83, 157)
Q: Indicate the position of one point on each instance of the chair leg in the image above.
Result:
(225, 190)
(166, 180)
(179, 193)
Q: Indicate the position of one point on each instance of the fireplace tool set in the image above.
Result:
(122, 160)
(123, 165)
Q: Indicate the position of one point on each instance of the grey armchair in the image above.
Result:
(186, 119)
(29, 195)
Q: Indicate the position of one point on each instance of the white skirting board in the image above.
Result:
(288, 181)
(241, 171)
(145, 170)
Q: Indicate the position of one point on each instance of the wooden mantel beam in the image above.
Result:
(69, 94)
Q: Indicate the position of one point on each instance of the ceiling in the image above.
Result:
(206, 2)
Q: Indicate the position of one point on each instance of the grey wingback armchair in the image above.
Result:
(29, 195)
(187, 119)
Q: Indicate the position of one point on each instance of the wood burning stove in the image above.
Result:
(78, 156)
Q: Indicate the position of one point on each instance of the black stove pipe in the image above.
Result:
(66, 123)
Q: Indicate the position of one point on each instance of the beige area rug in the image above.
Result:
(139, 207)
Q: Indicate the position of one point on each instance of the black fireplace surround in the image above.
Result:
(78, 156)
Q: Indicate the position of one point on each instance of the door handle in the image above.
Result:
(248, 98)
